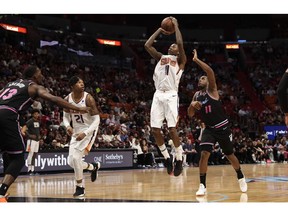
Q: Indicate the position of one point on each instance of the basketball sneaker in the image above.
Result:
(4, 199)
(169, 165)
(201, 191)
(94, 173)
(202, 199)
(80, 192)
(178, 167)
(243, 184)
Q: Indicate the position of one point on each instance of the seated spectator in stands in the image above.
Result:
(108, 138)
(140, 155)
(260, 153)
(110, 121)
(41, 144)
(192, 156)
(282, 153)
(269, 149)
(50, 136)
(57, 145)
(45, 146)
(148, 155)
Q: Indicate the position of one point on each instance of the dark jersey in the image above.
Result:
(15, 95)
(212, 112)
(33, 128)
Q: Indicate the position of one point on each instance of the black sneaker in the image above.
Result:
(169, 165)
(94, 173)
(178, 167)
(80, 192)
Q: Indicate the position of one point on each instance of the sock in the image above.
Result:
(32, 168)
(90, 166)
(3, 189)
(79, 184)
(164, 151)
(239, 173)
(179, 151)
(203, 179)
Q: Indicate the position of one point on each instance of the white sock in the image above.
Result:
(90, 166)
(179, 151)
(79, 184)
(164, 151)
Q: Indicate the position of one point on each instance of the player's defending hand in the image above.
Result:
(84, 109)
(195, 56)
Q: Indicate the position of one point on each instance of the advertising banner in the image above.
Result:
(58, 161)
(273, 130)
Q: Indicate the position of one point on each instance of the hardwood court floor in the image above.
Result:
(266, 183)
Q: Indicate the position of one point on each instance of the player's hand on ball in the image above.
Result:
(195, 56)
(163, 31)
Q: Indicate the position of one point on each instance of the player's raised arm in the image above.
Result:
(149, 45)
(212, 86)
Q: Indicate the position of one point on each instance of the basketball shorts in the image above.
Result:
(10, 132)
(164, 106)
(32, 146)
(223, 136)
(84, 144)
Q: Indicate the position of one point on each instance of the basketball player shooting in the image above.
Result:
(167, 74)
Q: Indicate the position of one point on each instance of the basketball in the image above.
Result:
(167, 25)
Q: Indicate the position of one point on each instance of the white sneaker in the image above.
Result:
(243, 184)
(202, 199)
(201, 191)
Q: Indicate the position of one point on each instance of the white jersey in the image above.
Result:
(80, 121)
(167, 73)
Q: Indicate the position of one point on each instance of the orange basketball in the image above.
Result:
(167, 25)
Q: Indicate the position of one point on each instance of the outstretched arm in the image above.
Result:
(212, 86)
(39, 91)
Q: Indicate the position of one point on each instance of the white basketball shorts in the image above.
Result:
(165, 105)
(32, 146)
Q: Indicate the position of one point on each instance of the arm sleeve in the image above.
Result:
(94, 125)
(282, 92)
(66, 119)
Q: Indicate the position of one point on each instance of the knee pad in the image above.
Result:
(16, 163)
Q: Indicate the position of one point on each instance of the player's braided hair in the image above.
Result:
(73, 80)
